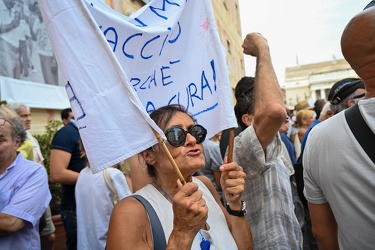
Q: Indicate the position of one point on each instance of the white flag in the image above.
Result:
(118, 69)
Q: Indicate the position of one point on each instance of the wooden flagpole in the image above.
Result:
(231, 145)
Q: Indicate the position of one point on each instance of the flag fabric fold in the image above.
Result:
(118, 69)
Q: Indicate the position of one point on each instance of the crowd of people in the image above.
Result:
(306, 185)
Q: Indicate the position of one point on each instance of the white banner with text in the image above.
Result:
(118, 69)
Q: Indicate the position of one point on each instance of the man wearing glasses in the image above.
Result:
(47, 233)
(343, 94)
(24, 192)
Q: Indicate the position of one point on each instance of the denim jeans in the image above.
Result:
(69, 218)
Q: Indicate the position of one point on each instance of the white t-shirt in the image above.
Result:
(338, 171)
(94, 206)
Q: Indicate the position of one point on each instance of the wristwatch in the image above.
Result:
(239, 213)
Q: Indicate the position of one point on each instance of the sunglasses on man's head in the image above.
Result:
(359, 96)
(3, 121)
(176, 136)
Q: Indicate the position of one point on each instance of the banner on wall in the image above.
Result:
(118, 69)
(25, 49)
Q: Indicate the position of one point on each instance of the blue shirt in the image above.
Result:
(24, 194)
(304, 139)
(290, 147)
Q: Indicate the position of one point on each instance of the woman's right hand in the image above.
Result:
(190, 212)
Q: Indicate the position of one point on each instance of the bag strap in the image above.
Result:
(360, 130)
(157, 230)
(110, 185)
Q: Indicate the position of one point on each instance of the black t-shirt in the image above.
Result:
(224, 140)
(67, 139)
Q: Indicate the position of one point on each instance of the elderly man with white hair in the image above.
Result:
(24, 192)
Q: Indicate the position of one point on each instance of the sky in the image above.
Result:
(298, 31)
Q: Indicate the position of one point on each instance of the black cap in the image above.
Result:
(343, 88)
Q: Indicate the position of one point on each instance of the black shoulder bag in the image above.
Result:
(360, 130)
(157, 229)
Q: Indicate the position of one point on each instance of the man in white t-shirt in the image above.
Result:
(339, 175)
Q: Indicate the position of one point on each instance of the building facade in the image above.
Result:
(313, 81)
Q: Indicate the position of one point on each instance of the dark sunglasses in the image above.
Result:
(359, 96)
(176, 136)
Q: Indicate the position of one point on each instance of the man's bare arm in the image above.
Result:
(269, 112)
(324, 226)
(10, 224)
(59, 172)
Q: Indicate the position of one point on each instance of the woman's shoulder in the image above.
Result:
(129, 214)
(130, 207)
(302, 131)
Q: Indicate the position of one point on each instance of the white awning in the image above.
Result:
(34, 95)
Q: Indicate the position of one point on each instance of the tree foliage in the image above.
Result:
(45, 141)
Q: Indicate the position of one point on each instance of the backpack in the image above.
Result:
(298, 173)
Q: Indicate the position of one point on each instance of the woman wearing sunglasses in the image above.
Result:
(192, 216)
